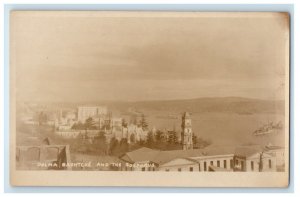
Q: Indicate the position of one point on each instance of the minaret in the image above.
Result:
(187, 134)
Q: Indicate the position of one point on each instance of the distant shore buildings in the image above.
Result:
(117, 127)
(84, 112)
(103, 121)
(221, 158)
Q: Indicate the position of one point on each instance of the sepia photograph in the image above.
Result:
(114, 98)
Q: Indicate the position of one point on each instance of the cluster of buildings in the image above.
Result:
(224, 158)
(114, 127)
(254, 158)
(66, 123)
(103, 121)
(213, 158)
(69, 123)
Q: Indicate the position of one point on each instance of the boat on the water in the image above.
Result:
(268, 129)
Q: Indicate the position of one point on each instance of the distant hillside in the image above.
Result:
(199, 105)
(226, 104)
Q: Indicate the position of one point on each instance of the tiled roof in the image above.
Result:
(218, 150)
(237, 150)
(157, 156)
(141, 154)
(248, 151)
(180, 158)
(165, 156)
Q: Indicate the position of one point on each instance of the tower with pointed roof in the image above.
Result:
(187, 134)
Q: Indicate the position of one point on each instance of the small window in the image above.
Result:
(225, 163)
(167, 170)
(179, 169)
(270, 163)
(218, 163)
(231, 163)
(252, 165)
(143, 169)
(211, 163)
(262, 164)
(204, 164)
(191, 169)
(242, 165)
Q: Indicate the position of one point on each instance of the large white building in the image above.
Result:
(85, 112)
(215, 158)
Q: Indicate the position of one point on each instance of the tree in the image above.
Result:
(89, 123)
(124, 146)
(172, 137)
(195, 139)
(100, 144)
(74, 126)
(201, 143)
(101, 135)
(113, 145)
(159, 136)
(150, 138)
(144, 123)
(141, 142)
(132, 138)
(78, 126)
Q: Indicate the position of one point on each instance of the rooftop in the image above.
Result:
(160, 157)
(141, 154)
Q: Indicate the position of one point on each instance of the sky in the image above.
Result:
(94, 56)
